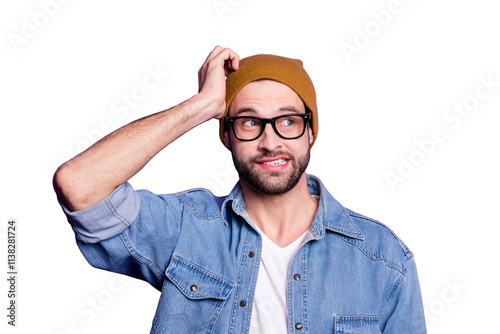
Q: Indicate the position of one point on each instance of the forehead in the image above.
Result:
(265, 97)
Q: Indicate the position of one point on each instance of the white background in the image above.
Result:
(66, 66)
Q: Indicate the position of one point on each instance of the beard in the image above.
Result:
(272, 183)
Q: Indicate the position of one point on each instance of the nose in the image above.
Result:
(269, 140)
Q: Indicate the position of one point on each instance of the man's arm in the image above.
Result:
(404, 311)
(95, 173)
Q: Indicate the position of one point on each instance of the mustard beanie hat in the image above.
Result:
(287, 71)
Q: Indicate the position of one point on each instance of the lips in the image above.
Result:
(274, 164)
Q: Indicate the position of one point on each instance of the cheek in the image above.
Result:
(244, 150)
(239, 150)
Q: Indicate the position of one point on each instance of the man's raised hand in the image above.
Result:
(212, 78)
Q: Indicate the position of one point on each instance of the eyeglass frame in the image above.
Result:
(307, 119)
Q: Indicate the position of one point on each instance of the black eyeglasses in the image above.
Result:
(290, 126)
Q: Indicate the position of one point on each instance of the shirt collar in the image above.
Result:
(330, 214)
(237, 202)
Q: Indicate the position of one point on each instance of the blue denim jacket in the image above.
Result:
(351, 274)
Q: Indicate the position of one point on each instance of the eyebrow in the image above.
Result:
(244, 109)
(283, 109)
(290, 108)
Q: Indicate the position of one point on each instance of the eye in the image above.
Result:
(250, 122)
(286, 122)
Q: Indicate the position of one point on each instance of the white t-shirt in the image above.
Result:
(269, 310)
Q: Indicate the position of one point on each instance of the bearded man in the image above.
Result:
(278, 254)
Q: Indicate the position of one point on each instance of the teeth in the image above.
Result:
(276, 162)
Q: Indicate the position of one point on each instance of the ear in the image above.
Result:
(310, 133)
(227, 140)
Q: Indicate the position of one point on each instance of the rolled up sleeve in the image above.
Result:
(108, 217)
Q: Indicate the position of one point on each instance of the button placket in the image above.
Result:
(246, 282)
(298, 292)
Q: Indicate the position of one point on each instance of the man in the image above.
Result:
(278, 254)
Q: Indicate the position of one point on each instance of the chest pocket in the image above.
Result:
(356, 325)
(191, 299)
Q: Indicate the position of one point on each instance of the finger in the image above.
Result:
(226, 58)
(215, 51)
(231, 64)
(230, 60)
(221, 56)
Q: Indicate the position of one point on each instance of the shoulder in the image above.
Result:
(378, 233)
(202, 202)
(379, 241)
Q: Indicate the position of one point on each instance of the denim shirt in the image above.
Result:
(351, 274)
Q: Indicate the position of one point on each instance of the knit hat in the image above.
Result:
(287, 71)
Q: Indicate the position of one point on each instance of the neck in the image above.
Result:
(285, 217)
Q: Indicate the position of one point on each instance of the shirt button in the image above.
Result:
(251, 254)
(298, 326)
(194, 288)
(296, 277)
(243, 303)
